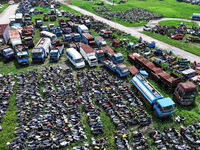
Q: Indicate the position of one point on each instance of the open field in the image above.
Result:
(176, 23)
(10, 119)
(168, 8)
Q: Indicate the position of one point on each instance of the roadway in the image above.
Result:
(136, 32)
(4, 16)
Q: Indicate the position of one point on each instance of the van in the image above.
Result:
(75, 58)
(50, 35)
(195, 16)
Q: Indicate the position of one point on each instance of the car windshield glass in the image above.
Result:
(168, 109)
(198, 65)
(37, 54)
(53, 54)
(23, 57)
(54, 38)
(93, 60)
(9, 52)
(120, 58)
(124, 70)
(100, 54)
(189, 94)
(79, 60)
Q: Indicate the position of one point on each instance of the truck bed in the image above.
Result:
(109, 64)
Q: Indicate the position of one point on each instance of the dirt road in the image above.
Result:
(135, 32)
(4, 16)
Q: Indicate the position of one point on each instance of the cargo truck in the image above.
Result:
(88, 54)
(163, 107)
(41, 50)
(15, 38)
(100, 41)
(185, 93)
(116, 57)
(121, 69)
(22, 54)
(7, 53)
(76, 37)
(56, 52)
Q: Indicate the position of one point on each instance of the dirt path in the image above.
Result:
(4, 16)
(135, 31)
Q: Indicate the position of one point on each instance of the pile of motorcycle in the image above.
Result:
(6, 89)
(93, 112)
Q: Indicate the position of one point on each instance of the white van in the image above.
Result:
(75, 58)
(50, 35)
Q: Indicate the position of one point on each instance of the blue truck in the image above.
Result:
(76, 37)
(22, 54)
(41, 50)
(7, 53)
(56, 53)
(121, 69)
(57, 31)
(163, 107)
(67, 38)
(116, 57)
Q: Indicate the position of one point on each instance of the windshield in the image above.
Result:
(53, 54)
(37, 54)
(100, 54)
(190, 94)
(54, 38)
(77, 36)
(9, 52)
(23, 57)
(93, 60)
(124, 70)
(168, 108)
(119, 58)
(79, 60)
(198, 65)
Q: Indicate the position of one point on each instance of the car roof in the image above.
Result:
(74, 53)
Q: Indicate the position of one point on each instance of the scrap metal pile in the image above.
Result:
(131, 15)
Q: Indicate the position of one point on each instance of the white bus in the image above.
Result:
(50, 35)
(75, 58)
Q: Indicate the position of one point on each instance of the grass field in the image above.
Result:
(3, 8)
(176, 23)
(168, 8)
(10, 119)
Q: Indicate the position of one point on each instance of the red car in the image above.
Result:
(197, 66)
(177, 36)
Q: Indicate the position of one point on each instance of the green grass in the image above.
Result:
(3, 8)
(168, 8)
(9, 122)
(176, 23)
(189, 47)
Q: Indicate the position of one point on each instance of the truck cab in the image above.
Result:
(44, 28)
(87, 23)
(38, 55)
(185, 93)
(164, 107)
(92, 60)
(54, 55)
(99, 54)
(77, 37)
(67, 37)
(51, 27)
(23, 58)
(118, 58)
(7, 53)
(122, 70)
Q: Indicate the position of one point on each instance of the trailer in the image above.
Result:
(163, 107)
(168, 81)
(56, 52)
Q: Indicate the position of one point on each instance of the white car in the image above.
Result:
(11, 2)
(59, 14)
(146, 28)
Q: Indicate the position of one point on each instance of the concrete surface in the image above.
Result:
(4, 16)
